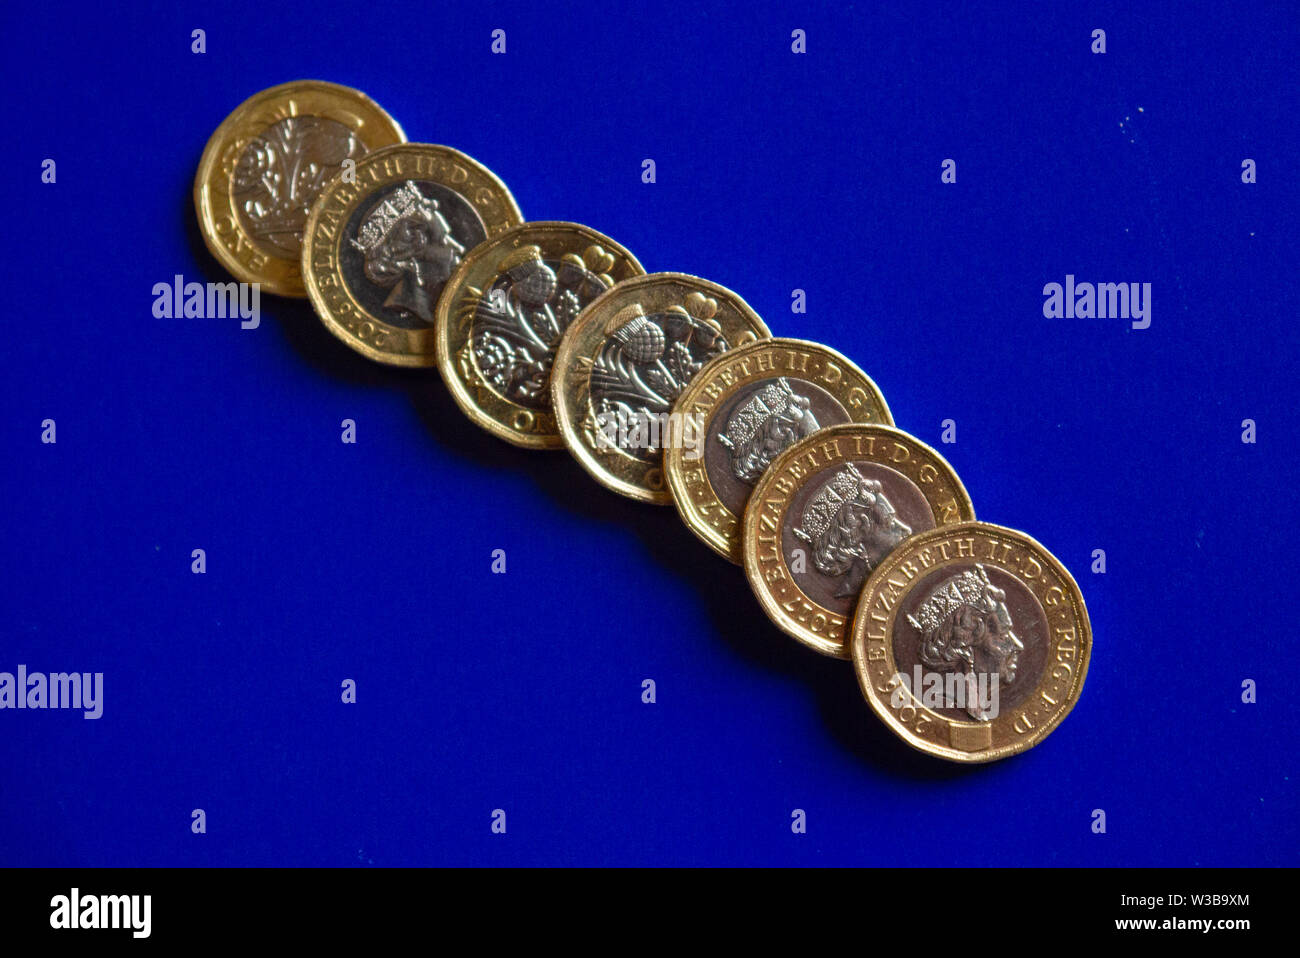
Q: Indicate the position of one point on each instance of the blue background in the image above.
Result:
(776, 171)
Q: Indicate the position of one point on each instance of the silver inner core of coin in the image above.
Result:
(282, 171)
(401, 245)
(641, 370)
(844, 521)
(519, 321)
(756, 425)
(978, 624)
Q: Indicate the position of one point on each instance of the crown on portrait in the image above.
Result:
(970, 588)
(772, 399)
(382, 219)
(843, 486)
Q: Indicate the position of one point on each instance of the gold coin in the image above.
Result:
(971, 642)
(828, 510)
(742, 410)
(380, 247)
(264, 167)
(501, 317)
(624, 361)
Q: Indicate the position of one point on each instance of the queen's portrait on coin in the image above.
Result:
(966, 628)
(775, 418)
(851, 525)
(408, 246)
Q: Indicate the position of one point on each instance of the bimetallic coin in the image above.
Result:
(379, 248)
(747, 406)
(971, 642)
(265, 166)
(501, 317)
(624, 361)
(828, 511)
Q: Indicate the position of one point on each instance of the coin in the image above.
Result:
(828, 510)
(501, 317)
(264, 167)
(379, 249)
(971, 642)
(625, 360)
(745, 407)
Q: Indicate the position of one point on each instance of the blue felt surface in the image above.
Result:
(522, 692)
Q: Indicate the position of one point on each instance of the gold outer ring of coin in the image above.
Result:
(223, 231)
(766, 565)
(335, 302)
(525, 426)
(1064, 645)
(708, 307)
(697, 500)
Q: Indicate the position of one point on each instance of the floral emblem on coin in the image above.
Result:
(409, 249)
(647, 360)
(773, 419)
(850, 525)
(281, 172)
(518, 321)
(966, 628)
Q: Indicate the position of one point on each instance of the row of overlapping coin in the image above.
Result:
(969, 640)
